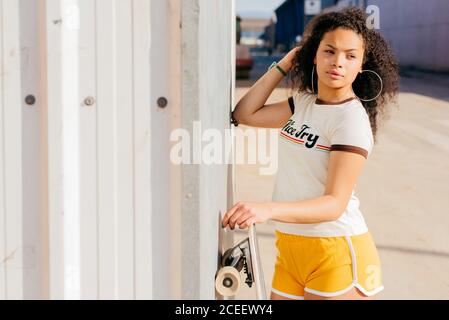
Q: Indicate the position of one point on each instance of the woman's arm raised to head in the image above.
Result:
(252, 110)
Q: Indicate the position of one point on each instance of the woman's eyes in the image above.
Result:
(332, 52)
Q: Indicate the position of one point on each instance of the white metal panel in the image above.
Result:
(11, 260)
(98, 156)
(88, 150)
(113, 149)
(70, 77)
(116, 217)
(32, 192)
(106, 150)
(160, 159)
(2, 166)
(124, 148)
(142, 152)
(174, 72)
(42, 255)
(55, 149)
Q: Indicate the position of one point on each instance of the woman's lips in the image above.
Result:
(334, 75)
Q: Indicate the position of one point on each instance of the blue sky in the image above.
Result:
(256, 8)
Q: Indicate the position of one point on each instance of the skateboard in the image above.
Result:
(245, 255)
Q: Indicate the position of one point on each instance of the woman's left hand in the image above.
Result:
(245, 214)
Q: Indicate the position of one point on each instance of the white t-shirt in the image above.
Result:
(305, 143)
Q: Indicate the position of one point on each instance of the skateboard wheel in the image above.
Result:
(227, 282)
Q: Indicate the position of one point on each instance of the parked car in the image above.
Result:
(244, 61)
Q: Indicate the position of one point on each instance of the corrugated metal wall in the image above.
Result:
(91, 206)
(78, 225)
(11, 193)
(99, 149)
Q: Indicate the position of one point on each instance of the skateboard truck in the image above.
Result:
(245, 255)
(240, 257)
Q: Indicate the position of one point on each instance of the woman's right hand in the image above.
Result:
(286, 61)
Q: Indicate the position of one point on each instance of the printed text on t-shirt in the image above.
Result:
(309, 138)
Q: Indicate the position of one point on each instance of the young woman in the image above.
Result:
(344, 75)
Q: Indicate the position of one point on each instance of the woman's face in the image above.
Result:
(339, 58)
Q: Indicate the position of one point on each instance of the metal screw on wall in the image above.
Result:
(89, 101)
(30, 100)
(162, 102)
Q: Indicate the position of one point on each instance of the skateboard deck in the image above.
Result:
(227, 278)
(245, 255)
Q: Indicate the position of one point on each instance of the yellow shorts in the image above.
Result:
(326, 266)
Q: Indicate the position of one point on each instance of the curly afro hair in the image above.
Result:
(378, 57)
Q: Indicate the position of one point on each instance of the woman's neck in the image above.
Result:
(334, 95)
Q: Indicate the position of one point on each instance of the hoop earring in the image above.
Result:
(381, 87)
(313, 71)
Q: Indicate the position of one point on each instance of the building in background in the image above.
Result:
(418, 32)
(252, 30)
(418, 40)
(289, 20)
(286, 27)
